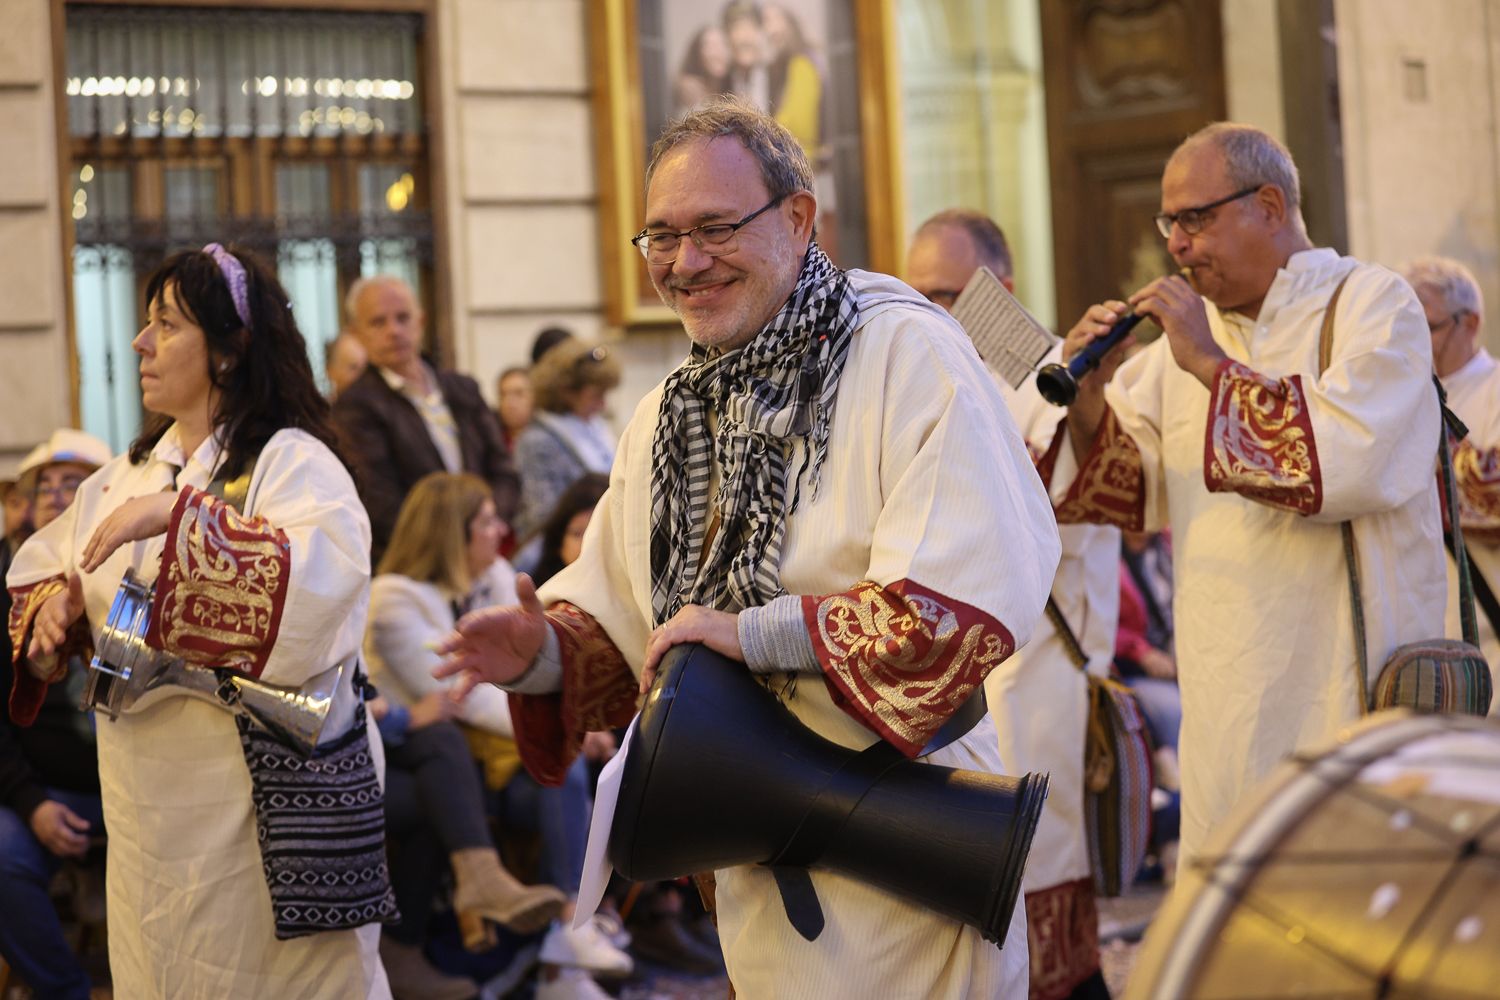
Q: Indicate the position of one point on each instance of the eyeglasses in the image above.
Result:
(64, 490)
(944, 297)
(1450, 321)
(715, 239)
(1192, 220)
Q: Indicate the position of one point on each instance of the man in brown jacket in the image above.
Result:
(404, 419)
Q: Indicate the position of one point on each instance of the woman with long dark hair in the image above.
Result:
(235, 500)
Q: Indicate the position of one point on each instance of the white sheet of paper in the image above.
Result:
(596, 866)
(1008, 338)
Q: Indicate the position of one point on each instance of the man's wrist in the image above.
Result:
(544, 674)
(774, 638)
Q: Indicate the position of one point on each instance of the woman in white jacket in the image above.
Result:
(442, 562)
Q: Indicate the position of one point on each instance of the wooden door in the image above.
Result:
(1126, 81)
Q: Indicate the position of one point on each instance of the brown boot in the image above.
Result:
(412, 977)
(483, 886)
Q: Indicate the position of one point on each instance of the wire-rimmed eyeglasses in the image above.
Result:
(714, 239)
(1192, 220)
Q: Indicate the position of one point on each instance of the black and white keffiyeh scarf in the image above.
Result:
(769, 396)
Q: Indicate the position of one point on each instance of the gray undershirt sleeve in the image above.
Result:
(544, 676)
(774, 638)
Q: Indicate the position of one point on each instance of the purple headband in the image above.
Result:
(234, 276)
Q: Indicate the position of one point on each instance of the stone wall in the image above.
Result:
(522, 202)
(35, 373)
(1419, 95)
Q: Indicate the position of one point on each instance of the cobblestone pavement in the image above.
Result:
(1121, 923)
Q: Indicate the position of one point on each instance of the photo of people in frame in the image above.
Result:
(794, 59)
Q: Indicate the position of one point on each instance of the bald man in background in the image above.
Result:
(1039, 697)
(403, 418)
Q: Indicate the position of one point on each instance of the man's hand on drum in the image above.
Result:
(132, 521)
(718, 630)
(495, 645)
(53, 619)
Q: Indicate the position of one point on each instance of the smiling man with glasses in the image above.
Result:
(1234, 432)
(828, 490)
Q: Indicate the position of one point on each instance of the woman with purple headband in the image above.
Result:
(236, 502)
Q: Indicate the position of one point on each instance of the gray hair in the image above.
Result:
(783, 164)
(361, 285)
(988, 237)
(1252, 158)
(1449, 279)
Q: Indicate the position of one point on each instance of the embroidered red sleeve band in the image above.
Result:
(27, 690)
(598, 692)
(1260, 441)
(901, 659)
(222, 587)
(1110, 487)
(1477, 471)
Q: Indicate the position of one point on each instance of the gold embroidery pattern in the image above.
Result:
(599, 692)
(1110, 487)
(25, 602)
(903, 658)
(1478, 474)
(1260, 441)
(222, 588)
(27, 692)
(1062, 928)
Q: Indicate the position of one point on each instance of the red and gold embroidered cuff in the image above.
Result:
(1477, 471)
(598, 692)
(27, 690)
(1110, 487)
(222, 587)
(901, 659)
(1259, 442)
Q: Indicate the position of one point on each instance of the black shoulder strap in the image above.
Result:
(237, 490)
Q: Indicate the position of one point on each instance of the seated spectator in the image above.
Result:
(441, 563)
(562, 534)
(1143, 647)
(546, 339)
(568, 435)
(49, 772)
(404, 419)
(435, 817)
(344, 360)
(514, 402)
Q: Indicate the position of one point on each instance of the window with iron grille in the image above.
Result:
(297, 134)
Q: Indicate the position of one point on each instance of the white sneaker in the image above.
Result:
(570, 984)
(583, 948)
(611, 927)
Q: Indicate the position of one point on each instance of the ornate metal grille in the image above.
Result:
(298, 134)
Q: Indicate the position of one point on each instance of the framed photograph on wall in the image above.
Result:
(824, 68)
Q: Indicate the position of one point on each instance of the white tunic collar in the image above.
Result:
(198, 468)
(1474, 371)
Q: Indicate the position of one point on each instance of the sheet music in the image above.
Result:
(1007, 337)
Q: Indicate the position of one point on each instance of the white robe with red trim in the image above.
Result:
(281, 594)
(930, 507)
(1474, 394)
(1038, 700)
(1254, 478)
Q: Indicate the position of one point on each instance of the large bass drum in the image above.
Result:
(1370, 869)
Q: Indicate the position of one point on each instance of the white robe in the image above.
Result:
(1038, 700)
(1474, 395)
(189, 910)
(1264, 639)
(926, 479)
(407, 619)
